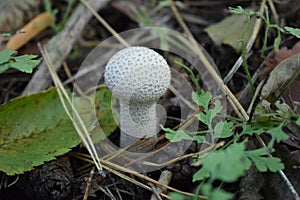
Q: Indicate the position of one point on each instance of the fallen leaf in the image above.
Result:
(229, 31)
(281, 55)
(35, 128)
(279, 77)
(292, 94)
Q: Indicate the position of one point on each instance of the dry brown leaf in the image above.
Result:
(279, 77)
(281, 55)
(293, 92)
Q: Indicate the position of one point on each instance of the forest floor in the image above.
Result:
(69, 31)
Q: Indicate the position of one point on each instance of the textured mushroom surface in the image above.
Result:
(138, 77)
(137, 74)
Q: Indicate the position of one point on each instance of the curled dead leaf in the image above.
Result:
(279, 77)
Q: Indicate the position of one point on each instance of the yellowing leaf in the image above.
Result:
(279, 77)
(229, 31)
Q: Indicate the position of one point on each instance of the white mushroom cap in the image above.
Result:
(138, 74)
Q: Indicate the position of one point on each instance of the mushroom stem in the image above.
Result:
(137, 120)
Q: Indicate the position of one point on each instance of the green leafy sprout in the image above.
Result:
(293, 31)
(229, 163)
(58, 26)
(23, 63)
(265, 17)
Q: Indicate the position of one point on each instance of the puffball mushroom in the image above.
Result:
(138, 77)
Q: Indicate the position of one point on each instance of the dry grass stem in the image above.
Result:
(170, 162)
(235, 103)
(114, 168)
(273, 10)
(105, 24)
(88, 185)
(65, 100)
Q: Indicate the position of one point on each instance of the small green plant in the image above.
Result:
(239, 10)
(266, 19)
(229, 163)
(58, 26)
(144, 16)
(293, 31)
(23, 63)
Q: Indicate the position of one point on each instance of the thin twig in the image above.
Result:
(182, 98)
(88, 185)
(105, 24)
(155, 194)
(69, 75)
(170, 162)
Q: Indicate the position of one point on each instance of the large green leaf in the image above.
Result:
(35, 129)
